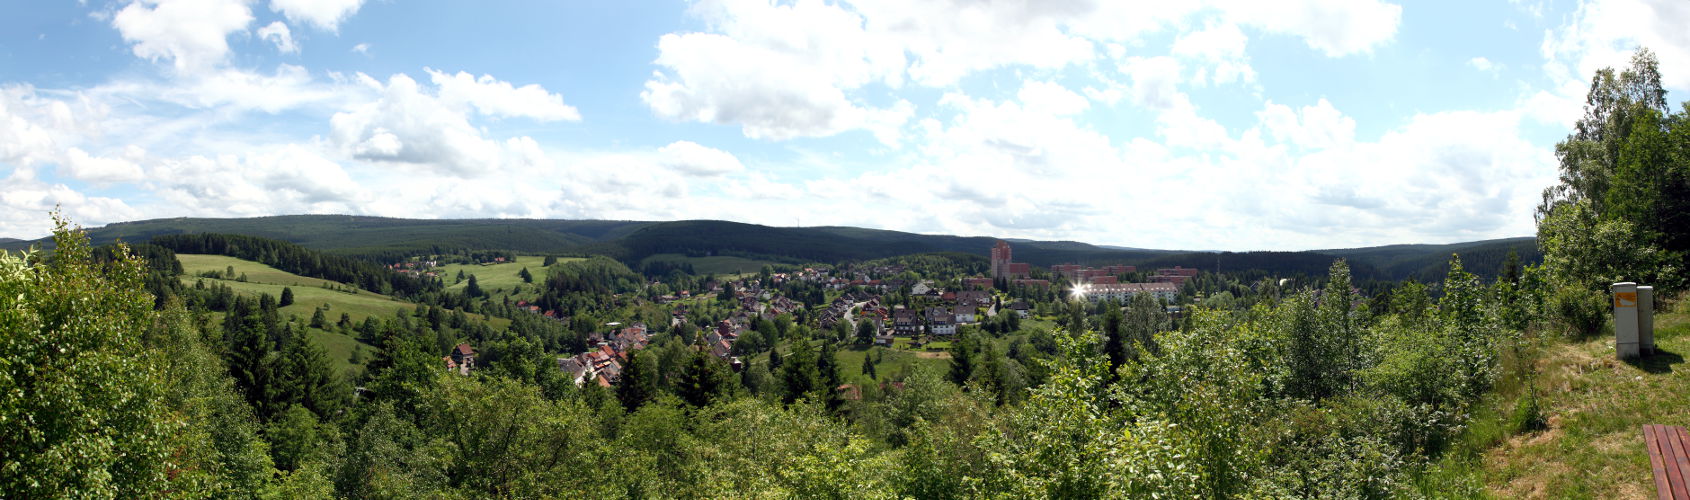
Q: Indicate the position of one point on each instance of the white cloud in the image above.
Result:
(949, 39)
(778, 71)
(492, 97)
(288, 87)
(1455, 175)
(192, 34)
(1333, 27)
(24, 139)
(1604, 33)
(715, 79)
(25, 203)
(277, 32)
(407, 124)
(784, 71)
(324, 14)
(1220, 47)
(1481, 64)
(1154, 81)
(285, 179)
(1051, 97)
(1313, 127)
(691, 158)
(362, 48)
(100, 169)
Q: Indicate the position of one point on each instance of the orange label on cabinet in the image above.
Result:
(1625, 299)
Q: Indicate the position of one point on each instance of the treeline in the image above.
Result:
(586, 285)
(298, 260)
(1622, 209)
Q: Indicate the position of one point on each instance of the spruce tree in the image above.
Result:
(703, 379)
(1115, 341)
(287, 297)
(798, 372)
(638, 384)
(473, 290)
(827, 367)
(962, 358)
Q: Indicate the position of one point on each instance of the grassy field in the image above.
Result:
(502, 278)
(893, 363)
(1596, 407)
(340, 348)
(308, 295)
(714, 264)
(193, 264)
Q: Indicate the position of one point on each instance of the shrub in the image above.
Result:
(1528, 415)
(1582, 313)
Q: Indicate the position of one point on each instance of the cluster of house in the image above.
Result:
(840, 309)
(416, 268)
(1176, 275)
(603, 364)
(1096, 275)
(550, 314)
(961, 307)
(1123, 292)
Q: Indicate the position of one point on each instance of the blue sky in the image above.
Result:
(1201, 125)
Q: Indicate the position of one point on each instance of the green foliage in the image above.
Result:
(505, 439)
(1065, 443)
(1528, 415)
(1581, 312)
(296, 438)
(402, 372)
(80, 396)
(638, 384)
(1622, 209)
(704, 378)
(389, 457)
(295, 259)
(1311, 396)
(473, 289)
(800, 377)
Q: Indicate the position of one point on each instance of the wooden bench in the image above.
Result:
(1669, 457)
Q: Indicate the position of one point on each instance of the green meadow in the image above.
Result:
(502, 278)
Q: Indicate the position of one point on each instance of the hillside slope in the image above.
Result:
(1596, 407)
(309, 294)
(360, 234)
(633, 241)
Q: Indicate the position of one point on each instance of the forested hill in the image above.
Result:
(631, 241)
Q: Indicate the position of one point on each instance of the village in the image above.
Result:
(879, 305)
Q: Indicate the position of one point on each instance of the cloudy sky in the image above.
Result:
(1196, 125)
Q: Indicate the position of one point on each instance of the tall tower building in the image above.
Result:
(1000, 259)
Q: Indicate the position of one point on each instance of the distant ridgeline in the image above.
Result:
(631, 242)
(298, 260)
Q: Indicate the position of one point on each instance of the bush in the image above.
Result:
(1582, 313)
(1528, 415)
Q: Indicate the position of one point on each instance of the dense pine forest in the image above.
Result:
(123, 377)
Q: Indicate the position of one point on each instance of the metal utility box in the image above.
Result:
(1626, 344)
(1646, 319)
